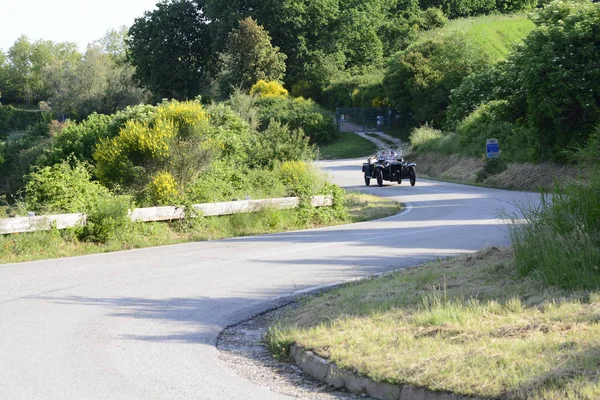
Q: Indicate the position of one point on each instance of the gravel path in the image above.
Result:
(243, 350)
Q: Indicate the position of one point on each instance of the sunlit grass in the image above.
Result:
(469, 325)
(496, 34)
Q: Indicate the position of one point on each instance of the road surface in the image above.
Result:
(143, 324)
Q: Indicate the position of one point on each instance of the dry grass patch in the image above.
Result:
(451, 167)
(469, 325)
(517, 176)
(526, 176)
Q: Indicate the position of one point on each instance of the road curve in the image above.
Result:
(143, 324)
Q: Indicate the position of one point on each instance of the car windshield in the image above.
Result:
(387, 154)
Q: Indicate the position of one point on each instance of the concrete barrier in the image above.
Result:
(40, 223)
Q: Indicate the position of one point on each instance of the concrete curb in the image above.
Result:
(324, 371)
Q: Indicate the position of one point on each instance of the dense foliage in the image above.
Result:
(542, 101)
(14, 119)
(71, 84)
(170, 48)
(320, 38)
(558, 72)
(419, 79)
(249, 57)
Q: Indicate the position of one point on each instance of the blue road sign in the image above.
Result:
(492, 148)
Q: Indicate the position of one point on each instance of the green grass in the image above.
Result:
(65, 243)
(364, 207)
(560, 244)
(496, 34)
(348, 145)
(471, 325)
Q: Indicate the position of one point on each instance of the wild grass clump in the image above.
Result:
(427, 139)
(561, 240)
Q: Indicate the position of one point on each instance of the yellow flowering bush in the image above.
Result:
(163, 188)
(122, 159)
(188, 117)
(263, 88)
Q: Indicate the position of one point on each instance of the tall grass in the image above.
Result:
(428, 139)
(561, 242)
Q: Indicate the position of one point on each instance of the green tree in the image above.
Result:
(27, 62)
(557, 71)
(171, 49)
(250, 57)
(114, 42)
(3, 74)
(98, 82)
(420, 79)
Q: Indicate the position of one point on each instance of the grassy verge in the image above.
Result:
(470, 325)
(64, 243)
(515, 176)
(349, 145)
(494, 33)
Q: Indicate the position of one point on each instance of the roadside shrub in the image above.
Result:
(106, 219)
(228, 134)
(221, 181)
(188, 118)
(39, 129)
(63, 188)
(163, 189)
(278, 143)
(474, 90)
(18, 157)
(130, 158)
(492, 120)
(301, 179)
(424, 134)
(263, 88)
(142, 113)
(77, 140)
(244, 106)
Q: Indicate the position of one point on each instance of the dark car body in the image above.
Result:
(388, 166)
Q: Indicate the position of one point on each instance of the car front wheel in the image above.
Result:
(412, 176)
(380, 177)
(367, 181)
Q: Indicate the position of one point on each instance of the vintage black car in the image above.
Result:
(389, 165)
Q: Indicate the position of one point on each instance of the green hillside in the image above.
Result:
(494, 33)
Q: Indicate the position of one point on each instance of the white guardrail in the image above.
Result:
(63, 221)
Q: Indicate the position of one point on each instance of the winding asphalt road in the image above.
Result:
(143, 324)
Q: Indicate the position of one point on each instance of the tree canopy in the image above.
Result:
(170, 48)
(250, 57)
